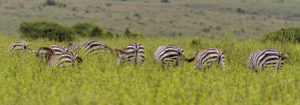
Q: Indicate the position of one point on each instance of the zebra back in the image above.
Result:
(58, 49)
(169, 55)
(266, 58)
(88, 47)
(18, 45)
(206, 58)
(65, 59)
(133, 53)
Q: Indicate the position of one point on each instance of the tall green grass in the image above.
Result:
(100, 80)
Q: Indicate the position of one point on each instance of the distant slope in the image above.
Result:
(178, 18)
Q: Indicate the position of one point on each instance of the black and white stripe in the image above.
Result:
(266, 58)
(58, 49)
(169, 55)
(89, 47)
(18, 45)
(132, 53)
(59, 60)
(206, 58)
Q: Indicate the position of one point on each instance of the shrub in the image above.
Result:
(129, 34)
(50, 2)
(96, 31)
(99, 32)
(83, 28)
(240, 10)
(46, 29)
(91, 30)
(165, 1)
(291, 34)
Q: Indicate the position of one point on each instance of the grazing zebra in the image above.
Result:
(18, 45)
(60, 60)
(169, 55)
(132, 53)
(206, 58)
(58, 49)
(266, 58)
(89, 47)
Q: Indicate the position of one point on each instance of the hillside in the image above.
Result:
(245, 18)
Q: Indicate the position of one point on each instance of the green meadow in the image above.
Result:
(234, 26)
(24, 80)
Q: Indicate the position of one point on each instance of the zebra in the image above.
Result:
(207, 57)
(132, 53)
(89, 47)
(266, 58)
(18, 45)
(60, 60)
(58, 49)
(169, 55)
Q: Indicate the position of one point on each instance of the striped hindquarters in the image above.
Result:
(169, 55)
(265, 58)
(64, 59)
(134, 53)
(58, 49)
(205, 58)
(89, 47)
(18, 45)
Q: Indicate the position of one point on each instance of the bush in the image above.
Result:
(50, 2)
(83, 28)
(165, 1)
(96, 31)
(99, 32)
(91, 30)
(130, 34)
(291, 34)
(46, 29)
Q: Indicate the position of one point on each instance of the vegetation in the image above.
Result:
(46, 29)
(245, 18)
(129, 34)
(83, 28)
(291, 34)
(99, 80)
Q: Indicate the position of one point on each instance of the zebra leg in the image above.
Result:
(278, 66)
(197, 67)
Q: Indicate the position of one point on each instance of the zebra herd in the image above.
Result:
(167, 55)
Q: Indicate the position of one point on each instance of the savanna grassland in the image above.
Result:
(100, 80)
(245, 18)
(234, 26)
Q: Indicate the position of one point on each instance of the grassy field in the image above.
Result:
(245, 18)
(99, 80)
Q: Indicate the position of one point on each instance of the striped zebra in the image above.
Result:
(89, 47)
(169, 55)
(58, 49)
(266, 58)
(60, 60)
(132, 53)
(206, 58)
(19, 45)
